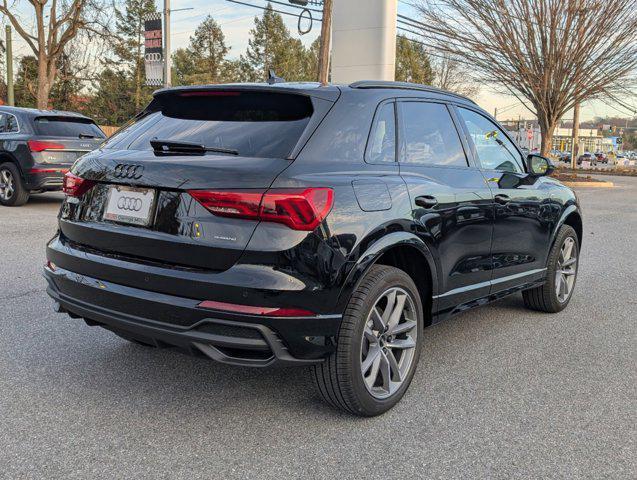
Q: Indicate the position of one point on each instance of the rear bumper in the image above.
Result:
(245, 340)
(47, 178)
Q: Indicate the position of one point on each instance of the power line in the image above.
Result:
(283, 12)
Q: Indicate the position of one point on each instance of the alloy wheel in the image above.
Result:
(7, 187)
(566, 270)
(389, 342)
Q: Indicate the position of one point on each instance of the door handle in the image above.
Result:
(426, 201)
(502, 199)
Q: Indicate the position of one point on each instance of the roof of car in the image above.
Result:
(379, 84)
(35, 112)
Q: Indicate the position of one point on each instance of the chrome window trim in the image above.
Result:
(490, 283)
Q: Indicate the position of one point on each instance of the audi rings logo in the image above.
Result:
(133, 172)
(129, 204)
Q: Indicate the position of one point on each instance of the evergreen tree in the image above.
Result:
(412, 62)
(203, 62)
(130, 48)
(271, 46)
(111, 103)
(25, 86)
(208, 48)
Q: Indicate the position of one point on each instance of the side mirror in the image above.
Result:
(539, 165)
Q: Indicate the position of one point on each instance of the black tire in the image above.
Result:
(339, 379)
(544, 298)
(20, 194)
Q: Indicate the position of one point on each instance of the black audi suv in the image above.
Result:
(37, 147)
(299, 224)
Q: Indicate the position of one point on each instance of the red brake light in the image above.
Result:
(229, 203)
(75, 186)
(250, 310)
(298, 209)
(49, 170)
(210, 93)
(38, 146)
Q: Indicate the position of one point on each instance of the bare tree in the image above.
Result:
(550, 54)
(452, 76)
(56, 24)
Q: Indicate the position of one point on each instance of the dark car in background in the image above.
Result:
(37, 147)
(587, 157)
(299, 224)
(601, 157)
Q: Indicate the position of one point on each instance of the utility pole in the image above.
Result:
(10, 97)
(495, 113)
(167, 69)
(324, 52)
(575, 136)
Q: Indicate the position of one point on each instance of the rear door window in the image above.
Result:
(429, 136)
(59, 126)
(256, 124)
(8, 123)
(382, 142)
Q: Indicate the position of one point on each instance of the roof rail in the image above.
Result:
(405, 86)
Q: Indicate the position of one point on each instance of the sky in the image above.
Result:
(237, 20)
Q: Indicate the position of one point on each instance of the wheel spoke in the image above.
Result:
(569, 262)
(397, 312)
(564, 285)
(372, 355)
(403, 327)
(370, 380)
(385, 371)
(391, 301)
(402, 343)
(369, 335)
(393, 365)
(568, 248)
(377, 319)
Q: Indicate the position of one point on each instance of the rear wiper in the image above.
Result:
(86, 135)
(188, 148)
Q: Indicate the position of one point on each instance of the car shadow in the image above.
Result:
(167, 379)
(46, 198)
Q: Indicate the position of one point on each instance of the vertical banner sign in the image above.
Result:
(153, 50)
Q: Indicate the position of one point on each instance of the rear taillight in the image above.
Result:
(38, 146)
(75, 186)
(49, 170)
(302, 209)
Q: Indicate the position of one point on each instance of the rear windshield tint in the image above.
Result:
(256, 124)
(66, 127)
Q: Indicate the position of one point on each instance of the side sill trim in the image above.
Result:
(490, 283)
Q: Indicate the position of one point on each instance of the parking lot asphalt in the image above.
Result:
(500, 392)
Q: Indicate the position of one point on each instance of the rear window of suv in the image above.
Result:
(256, 124)
(66, 127)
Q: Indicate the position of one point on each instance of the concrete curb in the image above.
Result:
(590, 184)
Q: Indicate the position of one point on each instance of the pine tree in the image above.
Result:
(208, 49)
(26, 79)
(412, 62)
(111, 103)
(271, 46)
(204, 61)
(130, 28)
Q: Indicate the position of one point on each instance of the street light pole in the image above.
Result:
(167, 69)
